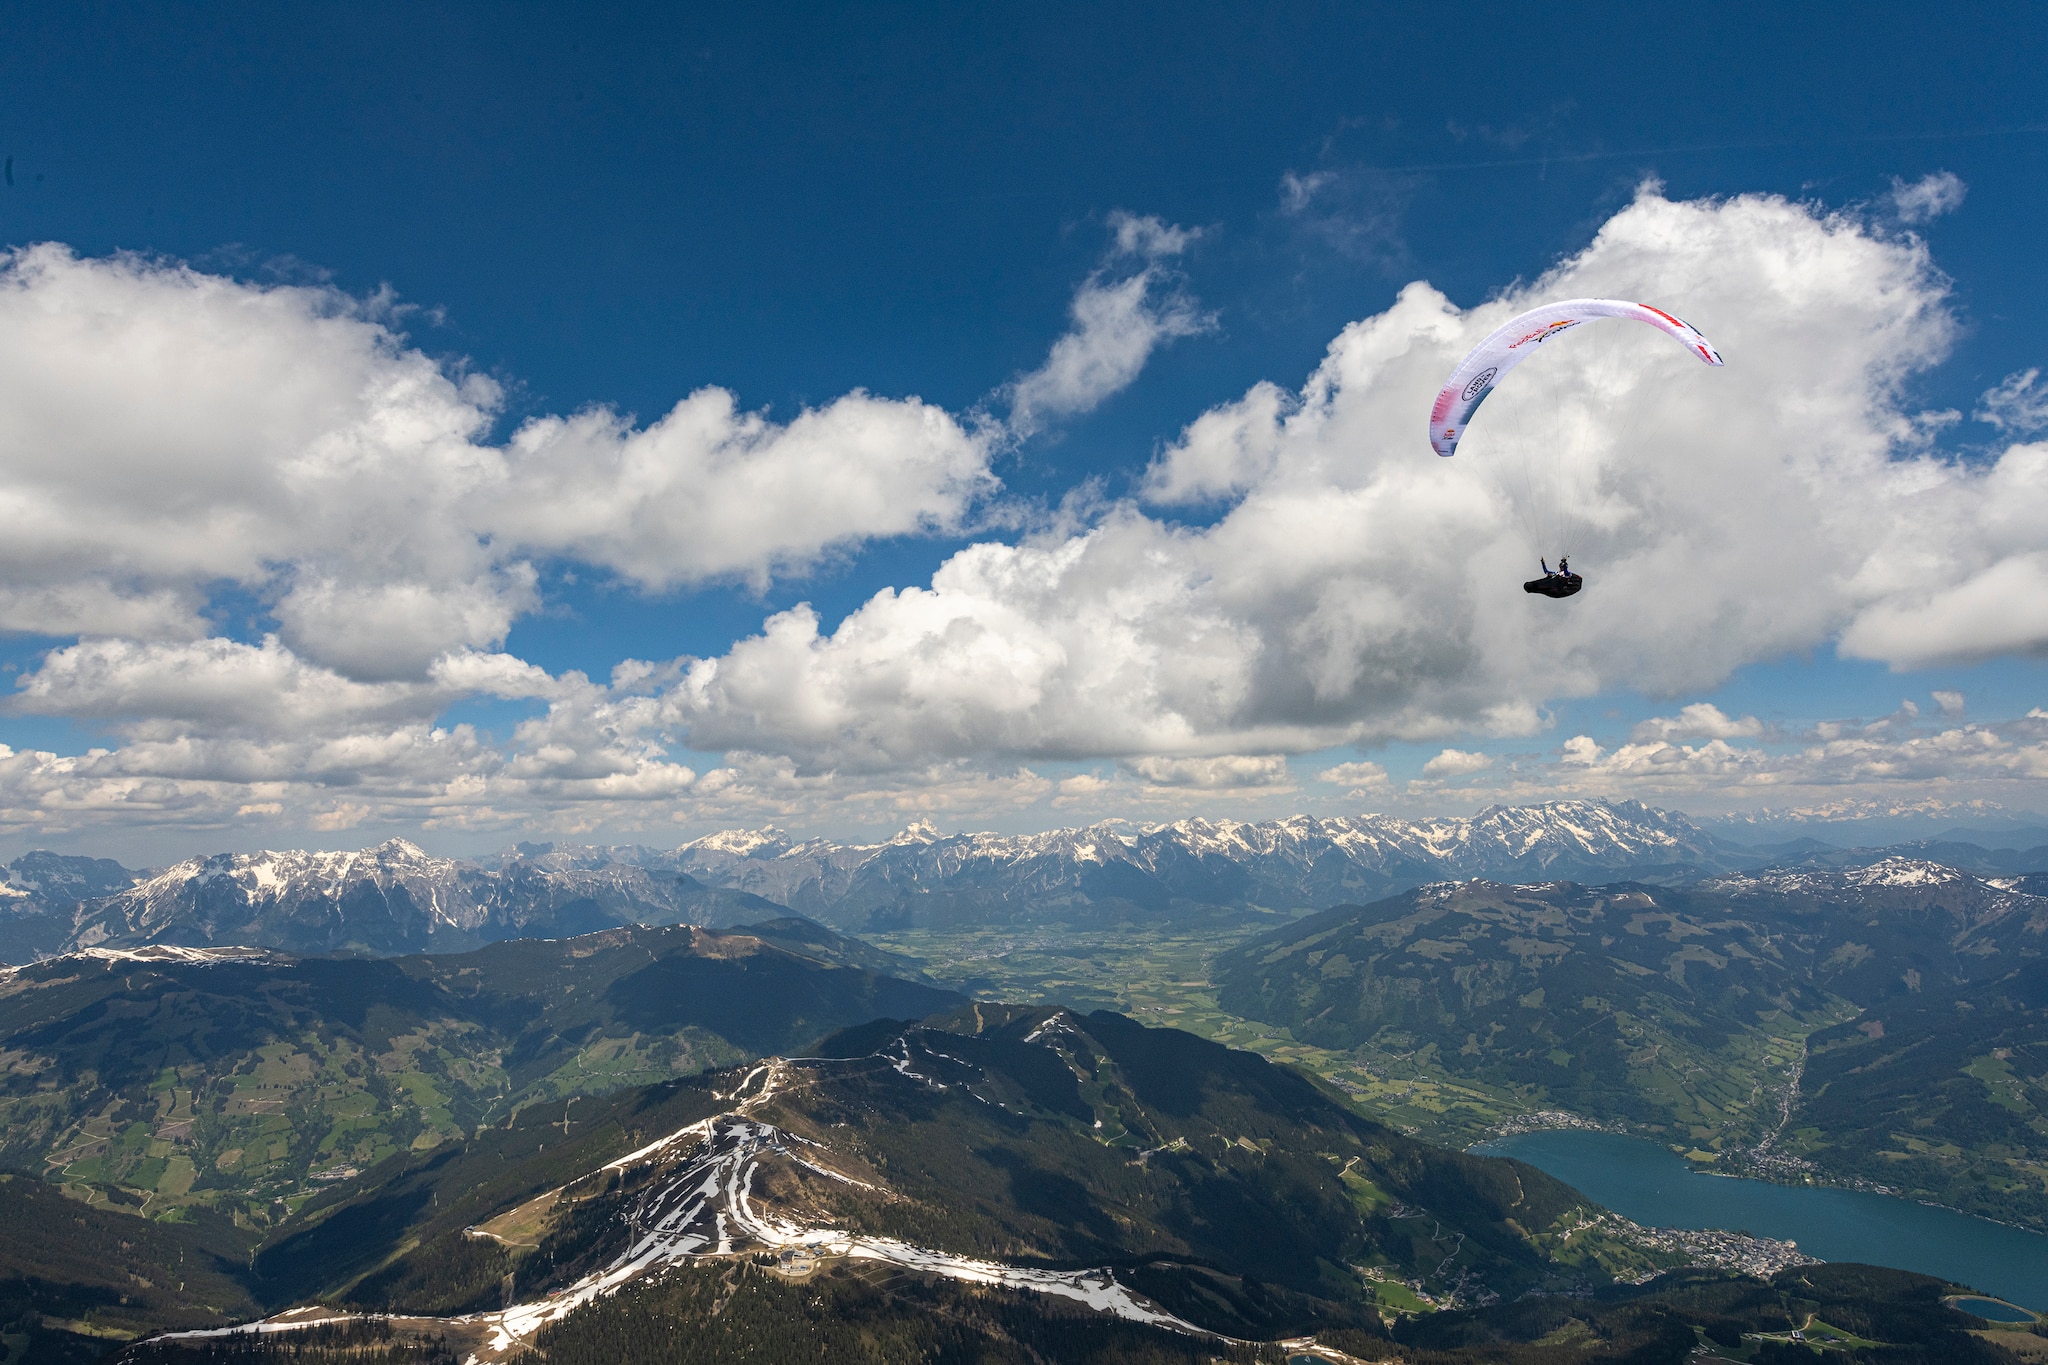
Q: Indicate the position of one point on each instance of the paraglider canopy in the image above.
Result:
(1515, 340)
(1486, 365)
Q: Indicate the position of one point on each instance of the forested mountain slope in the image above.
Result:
(238, 1080)
(1004, 1185)
(1942, 1093)
(1180, 1179)
(1687, 1012)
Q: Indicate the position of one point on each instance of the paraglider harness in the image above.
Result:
(1561, 582)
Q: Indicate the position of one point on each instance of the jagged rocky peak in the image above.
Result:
(560, 857)
(767, 841)
(395, 897)
(273, 873)
(63, 877)
(1590, 825)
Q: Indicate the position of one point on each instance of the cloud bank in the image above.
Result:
(169, 431)
(172, 435)
(1357, 592)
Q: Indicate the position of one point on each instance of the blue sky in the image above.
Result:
(617, 206)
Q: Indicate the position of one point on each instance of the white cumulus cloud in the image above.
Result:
(2000, 608)
(1358, 776)
(1456, 763)
(710, 491)
(1358, 589)
(212, 685)
(1220, 771)
(1928, 198)
(167, 431)
(1132, 304)
(1700, 720)
(1897, 757)
(2018, 403)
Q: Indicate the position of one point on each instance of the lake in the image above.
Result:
(1653, 1186)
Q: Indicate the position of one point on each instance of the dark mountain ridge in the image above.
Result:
(1979, 858)
(168, 1078)
(1008, 1185)
(1691, 1011)
(1224, 1190)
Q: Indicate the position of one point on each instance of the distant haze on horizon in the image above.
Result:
(1846, 824)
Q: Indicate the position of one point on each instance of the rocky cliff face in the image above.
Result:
(40, 895)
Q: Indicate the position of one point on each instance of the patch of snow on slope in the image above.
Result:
(1904, 872)
(705, 1207)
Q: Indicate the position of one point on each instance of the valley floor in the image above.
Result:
(1161, 977)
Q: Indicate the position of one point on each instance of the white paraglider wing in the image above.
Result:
(1488, 363)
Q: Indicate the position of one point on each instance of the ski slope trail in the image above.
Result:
(697, 1201)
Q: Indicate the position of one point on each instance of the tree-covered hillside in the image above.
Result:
(242, 1082)
(1943, 1094)
(1868, 1021)
(1235, 1193)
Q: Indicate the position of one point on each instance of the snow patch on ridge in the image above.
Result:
(706, 1206)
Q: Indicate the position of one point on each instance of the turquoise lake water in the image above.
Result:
(1992, 1311)
(1655, 1187)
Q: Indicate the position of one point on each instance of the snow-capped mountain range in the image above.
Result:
(1895, 885)
(394, 898)
(1293, 864)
